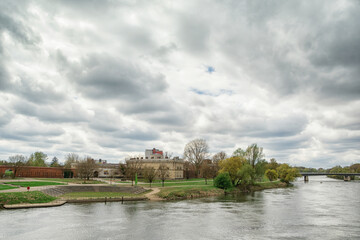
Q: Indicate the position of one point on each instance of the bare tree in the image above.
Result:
(149, 174)
(133, 167)
(206, 170)
(219, 156)
(86, 168)
(17, 162)
(71, 158)
(196, 151)
(163, 173)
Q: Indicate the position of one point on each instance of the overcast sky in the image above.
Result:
(111, 78)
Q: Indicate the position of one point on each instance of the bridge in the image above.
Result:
(346, 175)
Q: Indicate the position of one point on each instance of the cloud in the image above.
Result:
(109, 79)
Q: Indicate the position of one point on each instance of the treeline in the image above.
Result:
(85, 166)
(243, 168)
(354, 168)
(40, 159)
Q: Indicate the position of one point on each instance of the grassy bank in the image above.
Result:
(193, 190)
(178, 183)
(75, 195)
(71, 180)
(34, 183)
(6, 187)
(183, 192)
(25, 197)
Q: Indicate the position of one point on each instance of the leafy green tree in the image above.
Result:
(272, 164)
(286, 173)
(37, 159)
(271, 174)
(55, 162)
(246, 175)
(223, 180)
(254, 154)
(239, 153)
(232, 166)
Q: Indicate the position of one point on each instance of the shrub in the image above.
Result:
(223, 181)
(271, 174)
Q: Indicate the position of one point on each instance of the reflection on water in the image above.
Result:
(321, 209)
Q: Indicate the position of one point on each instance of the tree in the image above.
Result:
(86, 168)
(55, 162)
(163, 173)
(149, 174)
(232, 166)
(37, 159)
(218, 157)
(254, 154)
(71, 158)
(17, 162)
(223, 181)
(286, 173)
(273, 164)
(206, 171)
(245, 175)
(271, 174)
(239, 153)
(133, 167)
(196, 151)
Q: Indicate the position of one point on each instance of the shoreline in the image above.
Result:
(152, 196)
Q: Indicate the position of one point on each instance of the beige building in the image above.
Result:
(174, 165)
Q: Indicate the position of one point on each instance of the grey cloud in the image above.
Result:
(66, 112)
(103, 77)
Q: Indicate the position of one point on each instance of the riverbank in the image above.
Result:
(188, 192)
(178, 192)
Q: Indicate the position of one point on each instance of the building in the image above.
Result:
(154, 158)
(107, 170)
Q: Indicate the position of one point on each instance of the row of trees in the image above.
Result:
(243, 168)
(135, 167)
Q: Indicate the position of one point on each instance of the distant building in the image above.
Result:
(107, 170)
(154, 158)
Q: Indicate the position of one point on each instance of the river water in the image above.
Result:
(323, 208)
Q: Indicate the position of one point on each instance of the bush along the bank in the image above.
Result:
(271, 174)
(223, 181)
(286, 173)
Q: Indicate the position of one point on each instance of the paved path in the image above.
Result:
(152, 195)
(35, 205)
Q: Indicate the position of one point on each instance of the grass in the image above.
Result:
(178, 183)
(188, 191)
(99, 194)
(71, 180)
(6, 187)
(34, 183)
(25, 197)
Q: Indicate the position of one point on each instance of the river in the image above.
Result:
(323, 208)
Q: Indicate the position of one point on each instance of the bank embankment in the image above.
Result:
(188, 192)
(178, 193)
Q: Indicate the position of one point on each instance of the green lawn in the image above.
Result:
(188, 191)
(25, 197)
(34, 183)
(6, 187)
(178, 183)
(71, 180)
(99, 194)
